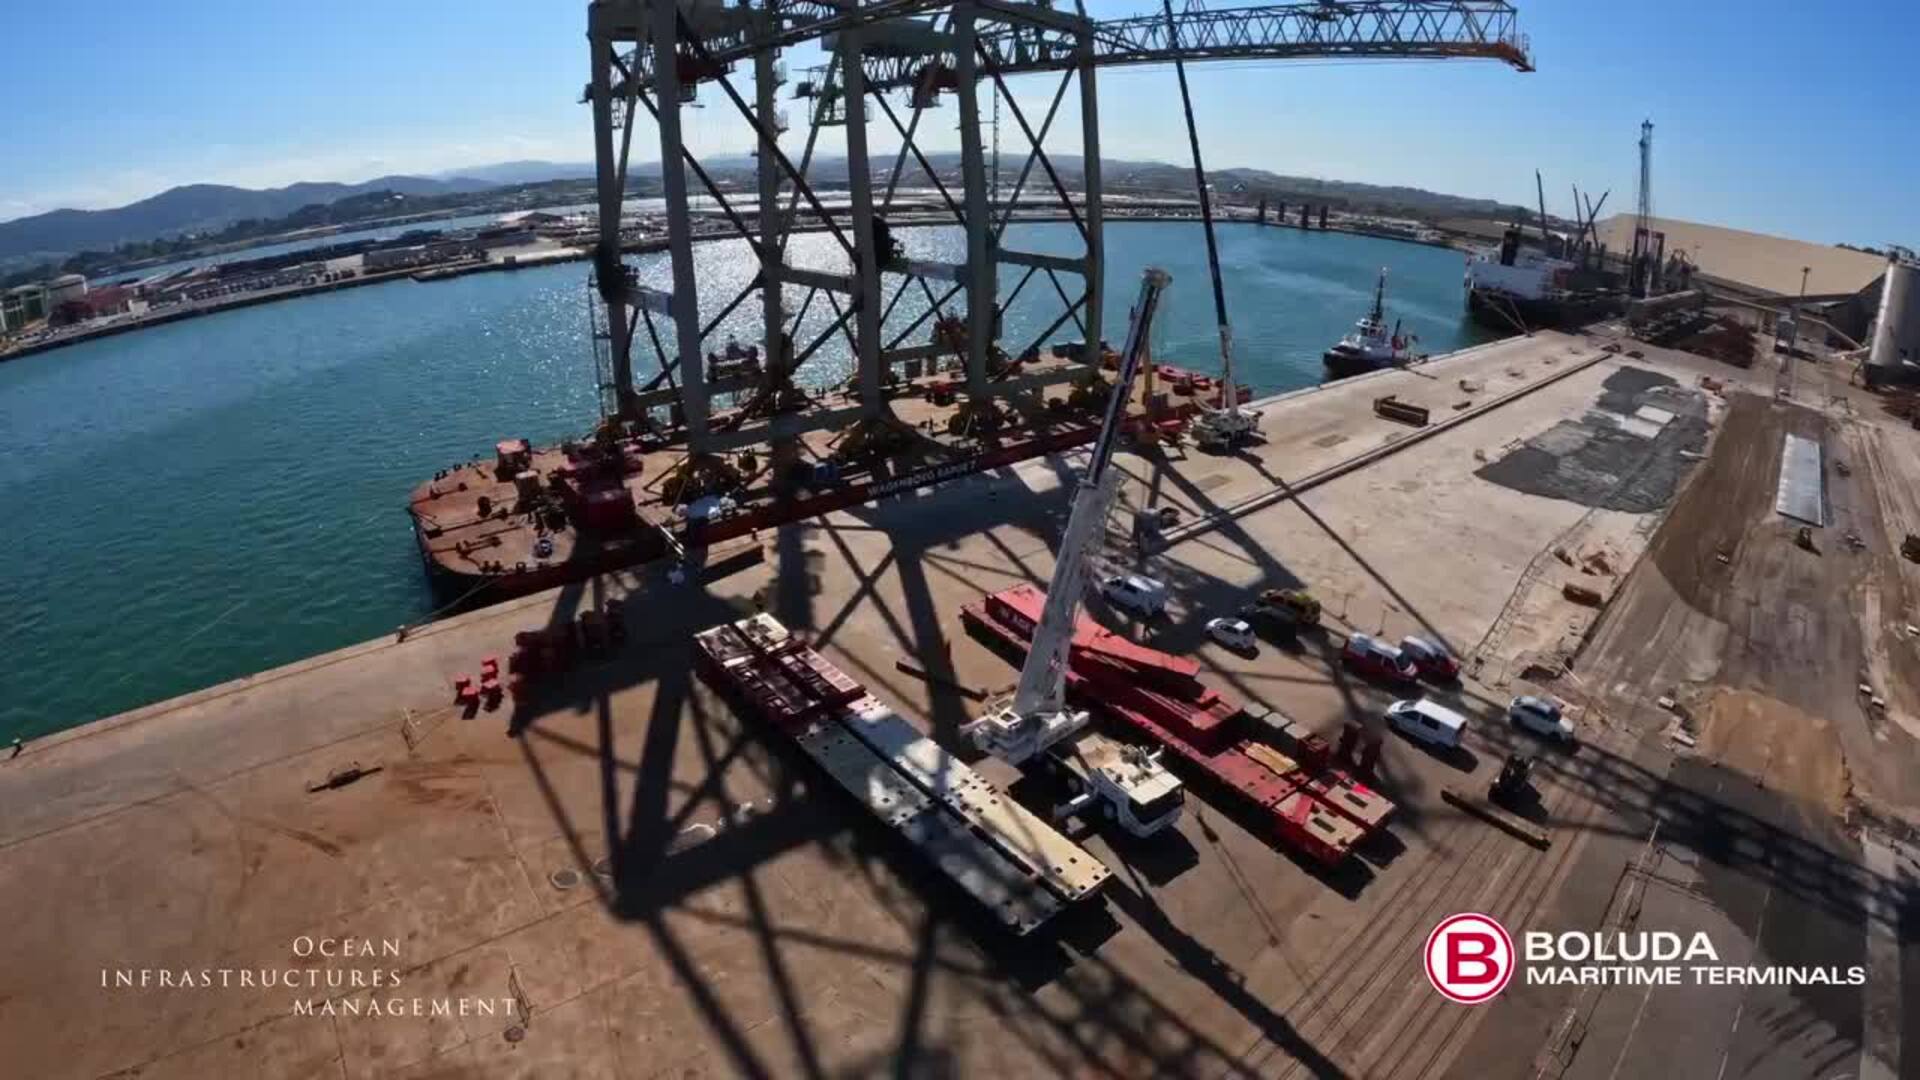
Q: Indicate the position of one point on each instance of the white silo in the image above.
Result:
(1896, 330)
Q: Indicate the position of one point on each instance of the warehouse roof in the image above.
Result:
(1755, 260)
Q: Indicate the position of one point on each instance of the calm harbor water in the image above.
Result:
(207, 499)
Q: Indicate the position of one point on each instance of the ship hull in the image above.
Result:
(1342, 365)
(1510, 314)
(460, 589)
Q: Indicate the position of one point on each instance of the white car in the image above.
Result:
(1427, 721)
(1542, 717)
(1143, 596)
(1235, 634)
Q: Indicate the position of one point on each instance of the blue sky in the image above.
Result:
(1775, 115)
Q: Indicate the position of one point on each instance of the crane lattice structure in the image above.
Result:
(1644, 266)
(1643, 203)
(658, 56)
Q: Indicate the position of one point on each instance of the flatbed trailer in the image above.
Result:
(1296, 819)
(1352, 800)
(1296, 816)
(1020, 607)
(1014, 863)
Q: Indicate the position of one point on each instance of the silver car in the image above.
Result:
(1541, 717)
(1236, 634)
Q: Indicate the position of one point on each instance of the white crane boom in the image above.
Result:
(1037, 717)
(1043, 677)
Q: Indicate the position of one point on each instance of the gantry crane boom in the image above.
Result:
(1407, 29)
(1420, 29)
(1396, 29)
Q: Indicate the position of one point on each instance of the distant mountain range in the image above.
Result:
(204, 208)
(1134, 177)
(522, 172)
(194, 208)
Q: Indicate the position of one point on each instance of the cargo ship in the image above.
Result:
(1518, 288)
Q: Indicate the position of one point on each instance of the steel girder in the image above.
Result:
(1403, 29)
(1034, 38)
(1433, 29)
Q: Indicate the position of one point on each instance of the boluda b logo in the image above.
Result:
(1469, 958)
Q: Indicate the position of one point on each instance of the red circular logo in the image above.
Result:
(1469, 958)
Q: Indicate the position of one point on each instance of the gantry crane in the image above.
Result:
(657, 56)
(1126, 782)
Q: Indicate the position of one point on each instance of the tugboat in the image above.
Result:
(1369, 347)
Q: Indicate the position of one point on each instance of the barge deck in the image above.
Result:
(536, 517)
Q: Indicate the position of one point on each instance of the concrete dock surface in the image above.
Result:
(637, 882)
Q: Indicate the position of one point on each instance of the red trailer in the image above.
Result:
(1314, 807)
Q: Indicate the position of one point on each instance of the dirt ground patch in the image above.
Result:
(1712, 520)
(1803, 628)
(1893, 653)
(1778, 746)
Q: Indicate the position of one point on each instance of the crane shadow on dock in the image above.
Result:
(695, 758)
(1064, 998)
(1359, 700)
(918, 627)
(1061, 998)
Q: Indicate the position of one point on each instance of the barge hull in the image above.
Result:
(1497, 311)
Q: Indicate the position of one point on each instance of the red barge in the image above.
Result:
(533, 518)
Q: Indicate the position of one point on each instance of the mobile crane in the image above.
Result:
(1225, 426)
(1125, 782)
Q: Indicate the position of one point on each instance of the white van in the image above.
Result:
(1143, 596)
(1430, 723)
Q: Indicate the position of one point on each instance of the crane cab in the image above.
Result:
(1133, 790)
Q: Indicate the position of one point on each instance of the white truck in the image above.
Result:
(1143, 596)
